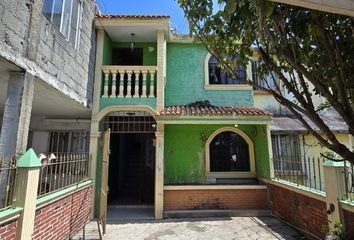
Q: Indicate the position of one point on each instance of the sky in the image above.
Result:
(148, 7)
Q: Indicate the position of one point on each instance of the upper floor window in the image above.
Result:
(262, 81)
(229, 154)
(65, 15)
(218, 76)
(217, 79)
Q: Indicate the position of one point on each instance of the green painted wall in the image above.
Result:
(185, 152)
(185, 79)
(107, 50)
(149, 58)
(128, 101)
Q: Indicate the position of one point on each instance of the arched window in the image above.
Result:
(230, 153)
(217, 79)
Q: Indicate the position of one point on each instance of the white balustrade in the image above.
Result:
(129, 81)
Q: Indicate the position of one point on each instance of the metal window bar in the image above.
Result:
(307, 173)
(61, 171)
(8, 174)
(130, 122)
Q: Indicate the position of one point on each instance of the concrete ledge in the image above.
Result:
(347, 205)
(217, 213)
(217, 187)
(9, 214)
(319, 195)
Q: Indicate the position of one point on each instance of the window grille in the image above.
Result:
(69, 142)
(130, 122)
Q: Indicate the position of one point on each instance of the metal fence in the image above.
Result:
(349, 180)
(62, 170)
(8, 173)
(306, 172)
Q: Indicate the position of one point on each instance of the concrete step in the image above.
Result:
(91, 231)
(200, 213)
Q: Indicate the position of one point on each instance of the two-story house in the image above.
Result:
(177, 133)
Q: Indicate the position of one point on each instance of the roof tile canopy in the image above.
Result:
(132, 16)
(199, 111)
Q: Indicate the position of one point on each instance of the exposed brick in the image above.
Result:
(215, 199)
(8, 230)
(302, 211)
(63, 218)
(349, 223)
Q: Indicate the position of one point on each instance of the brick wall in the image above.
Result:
(304, 212)
(64, 217)
(349, 223)
(8, 230)
(215, 199)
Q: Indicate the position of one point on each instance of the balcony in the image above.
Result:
(129, 81)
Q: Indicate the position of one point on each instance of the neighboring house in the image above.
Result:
(46, 75)
(297, 154)
(182, 134)
(47, 56)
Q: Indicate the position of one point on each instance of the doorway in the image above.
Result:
(131, 175)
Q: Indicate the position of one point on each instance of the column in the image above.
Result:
(335, 190)
(28, 167)
(16, 120)
(17, 114)
(161, 70)
(159, 171)
(270, 152)
(94, 138)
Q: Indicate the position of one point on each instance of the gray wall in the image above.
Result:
(56, 62)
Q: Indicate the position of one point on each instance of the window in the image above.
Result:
(229, 154)
(69, 142)
(266, 81)
(286, 152)
(216, 79)
(217, 76)
(65, 15)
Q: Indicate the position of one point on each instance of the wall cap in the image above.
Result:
(9, 214)
(330, 163)
(29, 160)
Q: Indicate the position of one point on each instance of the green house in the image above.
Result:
(169, 128)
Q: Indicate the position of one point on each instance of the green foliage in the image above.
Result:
(338, 232)
(297, 45)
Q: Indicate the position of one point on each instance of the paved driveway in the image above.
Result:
(242, 228)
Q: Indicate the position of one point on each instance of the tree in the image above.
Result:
(298, 46)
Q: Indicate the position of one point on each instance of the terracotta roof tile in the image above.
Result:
(188, 111)
(132, 16)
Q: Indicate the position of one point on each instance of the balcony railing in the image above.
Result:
(129, 81)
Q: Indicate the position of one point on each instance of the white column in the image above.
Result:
(106, 84)
(161, 70)
(129, 83)
(94, 137)
(144, 82)
(98, 72)
(136, 83)
(159, 171)
(121, 83)
(335, 190)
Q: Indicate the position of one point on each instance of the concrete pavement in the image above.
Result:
(226, 228)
